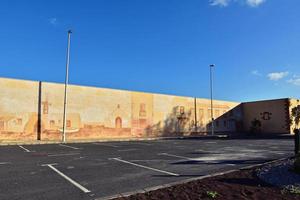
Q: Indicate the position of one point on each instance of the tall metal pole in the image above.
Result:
(211, 99)
(66, 87)
(195, 104)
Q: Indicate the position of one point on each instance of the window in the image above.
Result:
(69, 123)
(217, 123)
(52, 123)
(192, 123)
(224, 123)
(266, 115)
(19, 121)
(45, 107)
(181, 110)
(143, 110)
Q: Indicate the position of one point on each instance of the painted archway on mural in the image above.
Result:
(118, 122)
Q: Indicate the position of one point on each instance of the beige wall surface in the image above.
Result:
(273, 115)
(33, 110)
(18, 109)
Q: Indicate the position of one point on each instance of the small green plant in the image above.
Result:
(291, 189)
(212, 194)
(295, 190)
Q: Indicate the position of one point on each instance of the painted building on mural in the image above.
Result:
(31, 110)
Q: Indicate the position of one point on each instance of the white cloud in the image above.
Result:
(254, 3)
(294, 81)
(224, 3)
(53, 21)
(256, 73)
(275, 76)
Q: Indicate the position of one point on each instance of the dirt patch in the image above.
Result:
(243, 184)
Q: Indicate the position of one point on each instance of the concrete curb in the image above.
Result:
(109, 140)
(144, 190)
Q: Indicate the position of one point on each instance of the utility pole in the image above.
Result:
(66, 87)
(211, 98)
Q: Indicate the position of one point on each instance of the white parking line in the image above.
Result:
(210, 142)
(68, 178)
(231, 164)
(140, 143)
(4, 163)
(180, 146)
(127, 150)
(68, 146)
(154, 160)
(175, 156)
(145, 167)
(107, 145)
(26, 150)
(63, 154)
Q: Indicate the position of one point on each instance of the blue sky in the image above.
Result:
(161, 46)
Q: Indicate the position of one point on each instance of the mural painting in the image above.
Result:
(33, 110)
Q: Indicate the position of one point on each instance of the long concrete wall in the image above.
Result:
(31, 110)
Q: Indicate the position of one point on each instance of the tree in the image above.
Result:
(296, 115)
(255, 126)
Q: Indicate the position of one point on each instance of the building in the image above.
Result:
(274, 115)
(31, 110)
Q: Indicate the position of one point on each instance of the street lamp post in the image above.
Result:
(66, 86)
(211, 98)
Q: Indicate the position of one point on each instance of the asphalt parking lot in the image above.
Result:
(99, 170)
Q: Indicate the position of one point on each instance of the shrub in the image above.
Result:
(212, 194)
(291, 189)
(255, 126)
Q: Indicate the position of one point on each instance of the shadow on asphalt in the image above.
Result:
(243, 136)
(181, 175)
(220, 162)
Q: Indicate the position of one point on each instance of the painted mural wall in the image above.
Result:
(32, 110)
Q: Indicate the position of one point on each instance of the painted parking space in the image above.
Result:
(34, 182)
(96, 170)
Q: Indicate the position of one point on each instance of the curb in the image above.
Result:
(150, 189)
